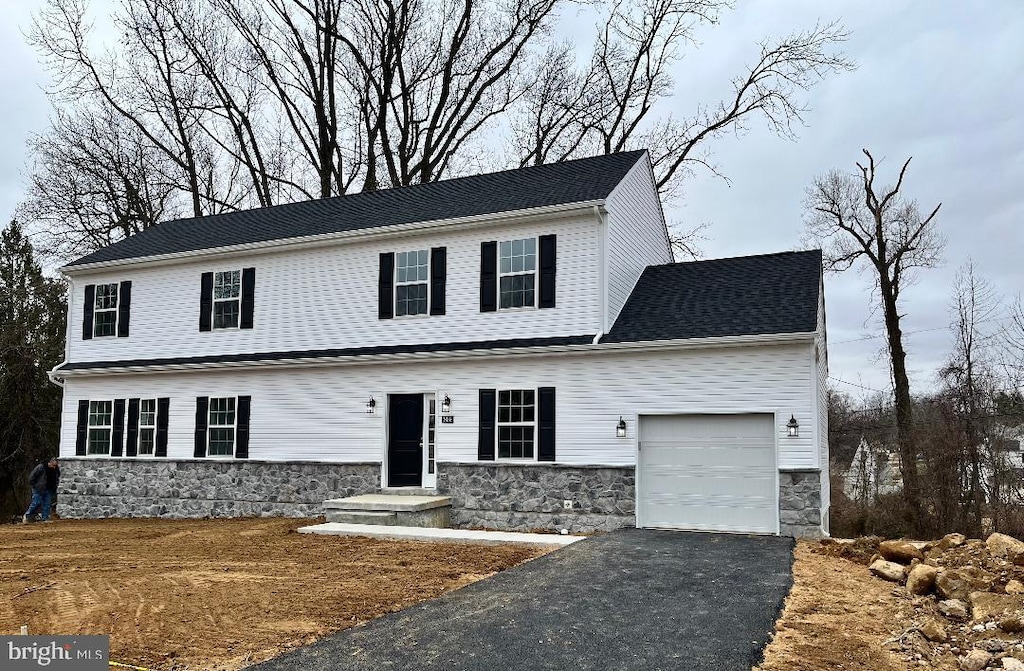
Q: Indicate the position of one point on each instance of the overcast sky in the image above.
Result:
(941, 81)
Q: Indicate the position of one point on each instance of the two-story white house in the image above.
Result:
(520, 341)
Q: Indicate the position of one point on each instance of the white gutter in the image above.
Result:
(340, 237)
(366, 359)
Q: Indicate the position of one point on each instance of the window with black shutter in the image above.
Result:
(485, 444)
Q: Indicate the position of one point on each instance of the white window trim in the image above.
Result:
(96, 311)
(534, 272)
(140, 426)
(213, 304)
(89, 427)
(498, 424)
(210, 426)
(396, 283)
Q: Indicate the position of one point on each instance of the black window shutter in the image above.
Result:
(206, 302)
(87, 308)
(117, 434)
(131, 447)
(547, 271)
(488, 277)
(438, 275)
(124, 308)
(163, 405)
(386, 286)
(248, 297)
(485, 447)
(202, 416)
(546, 424)
(82, 435)
(242, 427)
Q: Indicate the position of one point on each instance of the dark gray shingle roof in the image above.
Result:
(748, 295)
(536, 186)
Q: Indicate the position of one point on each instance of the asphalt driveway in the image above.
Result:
(631, 600)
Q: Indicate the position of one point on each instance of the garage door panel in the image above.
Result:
(708, 472)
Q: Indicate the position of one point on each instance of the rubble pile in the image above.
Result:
(968, 597)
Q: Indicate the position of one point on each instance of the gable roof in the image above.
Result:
(577, 181)
(748, 295)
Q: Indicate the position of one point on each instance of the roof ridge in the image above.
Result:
(403, 187)
(735, 258)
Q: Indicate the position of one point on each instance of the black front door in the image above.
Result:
(405, 440)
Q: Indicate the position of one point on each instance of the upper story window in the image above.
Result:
(105, 310)
(101, 424)
(412, 271)
(516, 423)
(517, 276)
(227, 299)
(517, 273)
(227, 293)
(412, 283)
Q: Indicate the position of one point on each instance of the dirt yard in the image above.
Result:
(837, 617)
(218, 594)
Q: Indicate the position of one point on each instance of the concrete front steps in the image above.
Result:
(405, 509)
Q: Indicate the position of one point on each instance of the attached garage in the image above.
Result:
(708, 472)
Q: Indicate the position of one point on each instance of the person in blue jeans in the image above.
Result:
(43, 480)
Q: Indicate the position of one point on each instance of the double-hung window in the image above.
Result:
(227, 293)
(517, 276)
(105, 310)
(101, 414)
(412, 271)
(222, 427)
(516, 423)
(147, 427)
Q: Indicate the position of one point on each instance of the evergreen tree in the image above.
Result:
(32, 322)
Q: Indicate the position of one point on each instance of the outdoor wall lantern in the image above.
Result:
(793, 427)
(371, 405)
(620, 428)
(446, 405)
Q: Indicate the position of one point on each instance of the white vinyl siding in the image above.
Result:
(326, 297)
(318, 413)
(637, 236)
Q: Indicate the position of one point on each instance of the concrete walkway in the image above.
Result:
(629, 600)
(442, 535)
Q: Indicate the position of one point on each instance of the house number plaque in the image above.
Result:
(447, 419)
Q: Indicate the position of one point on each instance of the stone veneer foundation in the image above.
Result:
(525, 497)
(494, 496)
(208, 488)
(800, 503)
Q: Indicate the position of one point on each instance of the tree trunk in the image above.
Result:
(904, 407)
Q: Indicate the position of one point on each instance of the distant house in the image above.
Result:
(519, 341)
(874, 471)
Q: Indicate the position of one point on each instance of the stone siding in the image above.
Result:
(800, 503)
(167, 488)
(531, 496)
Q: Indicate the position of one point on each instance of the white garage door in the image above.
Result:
(708, 472)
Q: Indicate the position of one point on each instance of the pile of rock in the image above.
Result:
(968, 597)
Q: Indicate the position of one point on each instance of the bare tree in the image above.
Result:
(95, 179)
(612, 104)
(858, 221)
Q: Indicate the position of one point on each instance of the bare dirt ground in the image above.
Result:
(218, 594)
(836, 617)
